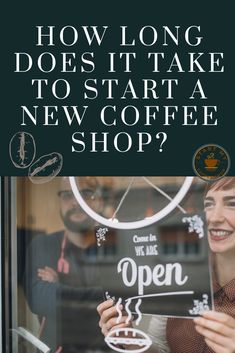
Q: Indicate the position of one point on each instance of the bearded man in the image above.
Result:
(61, 281)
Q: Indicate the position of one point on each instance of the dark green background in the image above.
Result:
(19, 34)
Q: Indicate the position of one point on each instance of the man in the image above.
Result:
(61, 285)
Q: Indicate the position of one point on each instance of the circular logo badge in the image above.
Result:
(211, 162)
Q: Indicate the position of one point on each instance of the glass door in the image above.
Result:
(57, 267)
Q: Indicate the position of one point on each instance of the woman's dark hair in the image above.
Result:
(224, 184)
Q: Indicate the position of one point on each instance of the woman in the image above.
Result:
(214, 331)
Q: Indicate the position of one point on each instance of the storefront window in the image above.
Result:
(57, 269)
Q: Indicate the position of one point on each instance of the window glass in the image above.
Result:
(60, 279)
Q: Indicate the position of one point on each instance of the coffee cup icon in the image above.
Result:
(211, 162)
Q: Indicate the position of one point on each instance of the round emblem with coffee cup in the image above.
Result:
(211, 162)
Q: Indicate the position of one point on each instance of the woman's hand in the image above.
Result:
(48, 274)
(218, 330)
(108, 317)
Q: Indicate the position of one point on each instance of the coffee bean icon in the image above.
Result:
(22, 149)
(45, 168)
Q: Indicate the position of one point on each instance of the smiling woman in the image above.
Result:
(214, 331)
(219, 207)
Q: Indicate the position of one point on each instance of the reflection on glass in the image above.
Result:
(59, 263)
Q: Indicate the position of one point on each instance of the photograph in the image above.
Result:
(95, 256)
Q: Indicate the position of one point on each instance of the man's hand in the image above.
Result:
(218, 330)
(48, 274)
